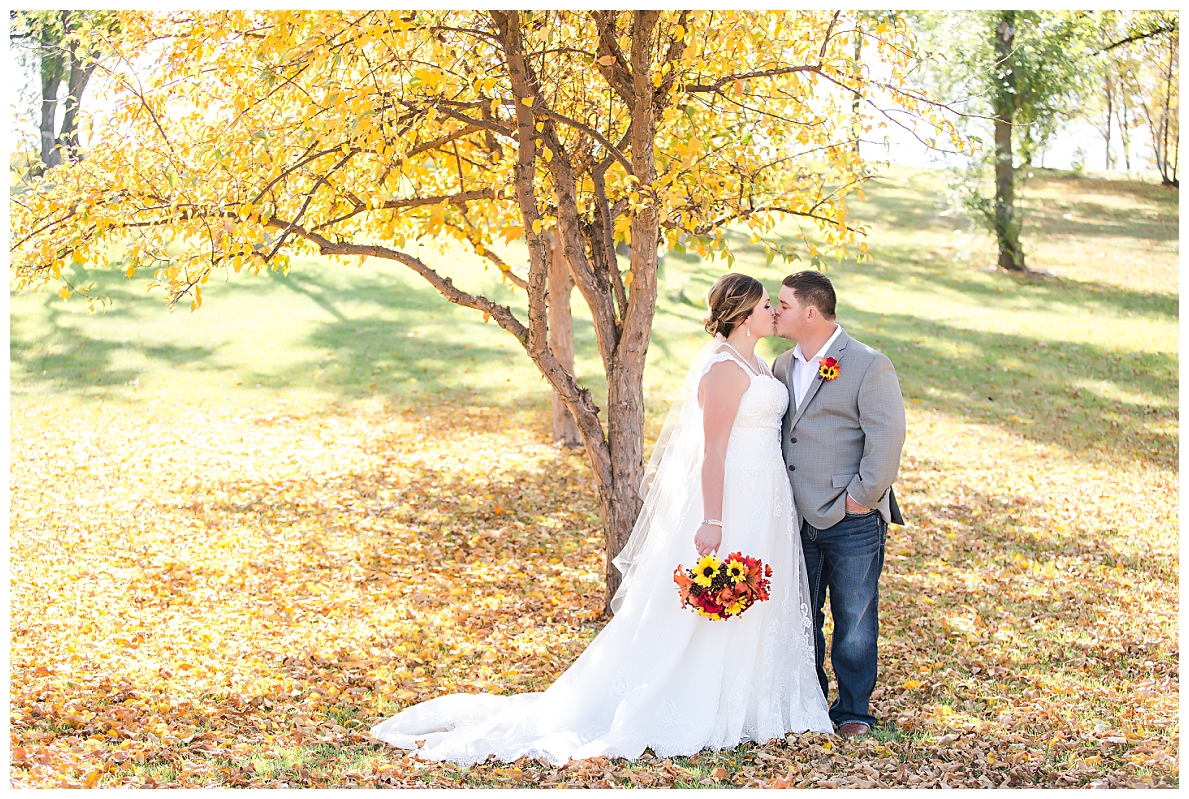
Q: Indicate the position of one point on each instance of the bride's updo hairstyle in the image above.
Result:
(732, 299)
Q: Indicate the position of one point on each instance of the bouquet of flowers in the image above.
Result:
(722, 589)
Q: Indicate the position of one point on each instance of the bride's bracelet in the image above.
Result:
(715, 522)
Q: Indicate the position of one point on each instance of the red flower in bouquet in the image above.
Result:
(722, 589)
(707, 607)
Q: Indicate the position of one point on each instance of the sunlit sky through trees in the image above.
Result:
(894, 145)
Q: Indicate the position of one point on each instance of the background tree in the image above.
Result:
(1158, 79)
(58, 42)
(1135, 56)
(1022, 72)
(242, 139)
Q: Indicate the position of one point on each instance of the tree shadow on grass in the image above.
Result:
(909, 206)
(904, 265)
(1096, 220)
(1033, 388)
(900, 265)
(70, 359)
(388, 351)
(1147, 211)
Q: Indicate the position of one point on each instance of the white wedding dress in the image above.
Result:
(659, 676)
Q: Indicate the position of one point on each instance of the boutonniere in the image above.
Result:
(829, 369)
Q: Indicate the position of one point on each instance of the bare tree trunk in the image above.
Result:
(1158, 125)
(561, 339)
(1007, 233)
(1176, 158)
(1168, 176)
(1110, 94)
(1124, 133)
(60, 61)
(51, 78)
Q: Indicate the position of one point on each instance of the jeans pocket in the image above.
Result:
(859, 530)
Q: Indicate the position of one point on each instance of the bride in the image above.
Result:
(660, 676)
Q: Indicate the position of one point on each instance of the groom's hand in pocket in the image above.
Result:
(854, 507)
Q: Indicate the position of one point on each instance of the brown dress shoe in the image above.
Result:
(854, 729)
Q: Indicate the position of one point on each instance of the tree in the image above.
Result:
(57, 42)
(1159, 81)
(250, 137)
(1136, 56)
(561, 339)
(1004, 97)
(1024, 69)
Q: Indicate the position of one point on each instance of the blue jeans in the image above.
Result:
(847, 558)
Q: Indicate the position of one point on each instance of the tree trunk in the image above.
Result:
(1168, 176)
(1007, 233)
(1124, 133)
(625, 437)
(1176, 159)
(1109, 112)
(616, 456)
(51, 78)
(625, 377)
(561, 339)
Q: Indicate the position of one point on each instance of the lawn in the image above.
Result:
(242, 536)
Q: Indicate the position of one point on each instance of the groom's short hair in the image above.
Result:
(813, 288)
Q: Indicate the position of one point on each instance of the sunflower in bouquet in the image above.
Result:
(720, 589)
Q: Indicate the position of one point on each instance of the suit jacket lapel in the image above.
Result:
(835, 352)
(788, 379)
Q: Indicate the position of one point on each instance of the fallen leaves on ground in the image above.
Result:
(233, 597)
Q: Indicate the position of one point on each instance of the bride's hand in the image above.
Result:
(708, 538)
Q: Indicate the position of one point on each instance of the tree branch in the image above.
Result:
(306, 204)
(1169, 27)
(764, 73)
(487, 124)
(617, 74)
(829, 33)
(589, 131)
(672, 56)
(500, 313)
(607, 225)
(459, 199)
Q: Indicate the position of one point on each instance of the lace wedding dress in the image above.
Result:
(659, 676)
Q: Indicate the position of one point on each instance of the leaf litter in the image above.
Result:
(233, 597)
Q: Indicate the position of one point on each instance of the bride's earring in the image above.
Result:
(747, 330)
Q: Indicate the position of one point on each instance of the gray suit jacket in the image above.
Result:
(846, 436)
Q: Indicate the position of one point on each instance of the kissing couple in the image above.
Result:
(792, 465)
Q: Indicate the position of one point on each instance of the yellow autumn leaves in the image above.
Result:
(366, 127)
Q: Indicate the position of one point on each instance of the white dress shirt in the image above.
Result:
(804, 370)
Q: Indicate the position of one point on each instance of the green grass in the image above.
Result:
(1049, 360)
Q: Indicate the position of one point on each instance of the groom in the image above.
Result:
(842, 437)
